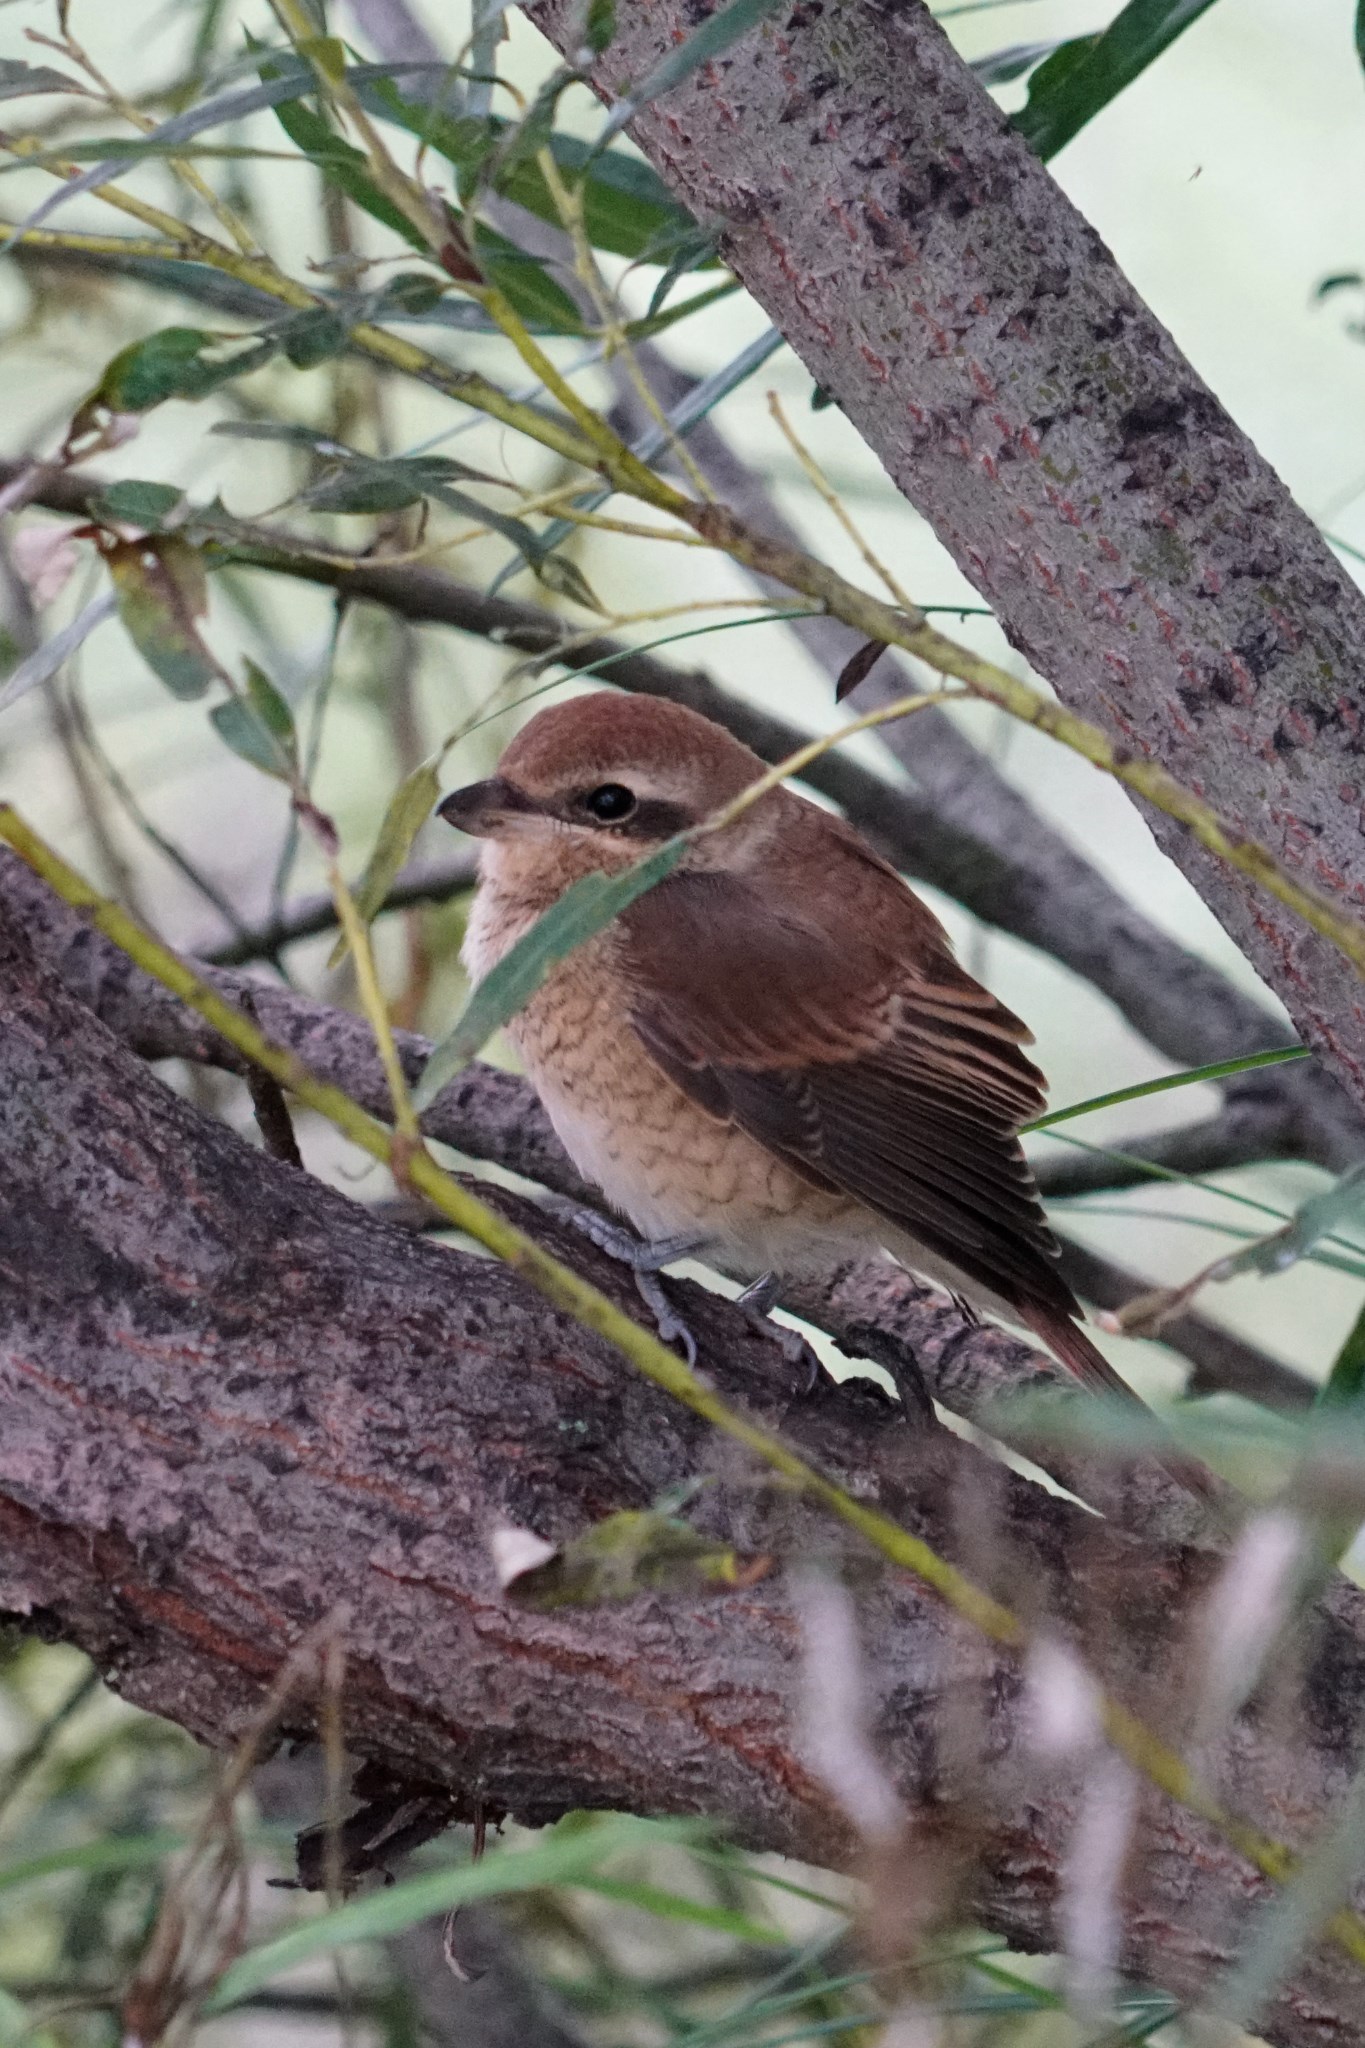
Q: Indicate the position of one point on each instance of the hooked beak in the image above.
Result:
(481, 807)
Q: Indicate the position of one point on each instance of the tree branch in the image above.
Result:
(233, 1400)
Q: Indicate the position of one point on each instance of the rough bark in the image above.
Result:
(871, 1308)
(233, 1400)
(934, 278)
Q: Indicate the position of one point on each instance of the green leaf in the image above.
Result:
(90, 1859)
(632, 1552)
(1345, 1383)
(665, 1905)
(176, 362)
(627, 208)
(1084, 75)
(162, 589)
(259, 726)
(583, 910)
(714, 35)
(1360, 30)
(314, 335)
(1003, 65)
(1218, 1071)
(409, 808)
(599, 25)
(136, 503)
(525, 281)
(340, 163)
(562, 1856)
(565, 579)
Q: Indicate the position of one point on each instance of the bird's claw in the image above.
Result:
(645, 1259)
(757, 1302)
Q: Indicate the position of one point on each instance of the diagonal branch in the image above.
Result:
(233, 1400)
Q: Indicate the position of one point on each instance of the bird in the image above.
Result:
(772, 1057)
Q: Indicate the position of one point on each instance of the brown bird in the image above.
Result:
(772, 1056)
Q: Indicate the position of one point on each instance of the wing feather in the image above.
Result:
(817, 1005)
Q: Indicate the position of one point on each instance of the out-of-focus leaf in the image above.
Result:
(1084, 75)
(1341, 280)
(599, 25)
(175, 362)
(409, 808)
(312, 336)
(584, 909)
(1003, 65)
(18, 78)
(566, 579)
(1360, 30)
(627, 208)
(47, 659)
(561, 1856)
(259, 726)
(162, 589)
(341, 164)
(136, 502)
(525, 282)
(635, 1551)
(1345, 1384)
(707, 41)
(362, 483)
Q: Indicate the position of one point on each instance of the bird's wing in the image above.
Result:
(818, 1006)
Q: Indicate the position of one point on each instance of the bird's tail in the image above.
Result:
(1069, 1344)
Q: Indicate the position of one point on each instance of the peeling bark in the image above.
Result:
(1133, 543)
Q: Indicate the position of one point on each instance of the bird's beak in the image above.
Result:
(481, 807)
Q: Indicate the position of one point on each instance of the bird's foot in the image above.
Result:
(645, 1258)
(757, 1303)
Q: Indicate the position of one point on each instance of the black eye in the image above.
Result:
(612, 802)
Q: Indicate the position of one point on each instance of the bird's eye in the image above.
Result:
(609, 804)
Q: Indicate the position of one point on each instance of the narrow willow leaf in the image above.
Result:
(162, 589)
(1003, 65)
(1084, 75)
(714, 35)
(566, 579)
(627, 208)
(1345, 1383)
(409, 808)
(1360, 30)
(565, 1854)
(1220, 1070)
(341, 164)
(665, 1905)
(47, 659)
(136, 503)
(583, 910)
(108, 1853)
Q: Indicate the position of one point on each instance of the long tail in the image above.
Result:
(1069, 1343)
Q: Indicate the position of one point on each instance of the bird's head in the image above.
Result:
(599, 780)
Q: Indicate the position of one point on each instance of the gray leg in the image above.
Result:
(645, 1259)
(757, 1301)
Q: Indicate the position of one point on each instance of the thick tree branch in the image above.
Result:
(872, 1309)
(233, 1400)
(1130, 539)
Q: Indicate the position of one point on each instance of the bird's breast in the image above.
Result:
(659, 1158)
